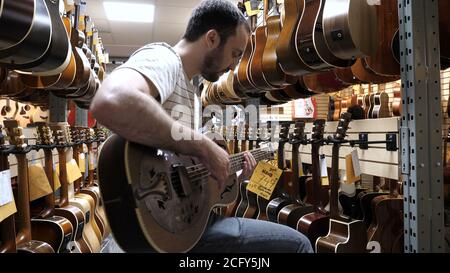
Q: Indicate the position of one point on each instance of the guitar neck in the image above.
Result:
(50, 198)
(64, 199)
(238, 159)
(281, 154)
(316, 175)
(23, 207)
(295, 171)
(334, 209)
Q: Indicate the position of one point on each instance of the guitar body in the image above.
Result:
(262, 208)
(98, 220)
(305, 42)
(89, 235)
(270, 67)
(92, 207)
(57, 57)
(274, 207)
(310, 197)
(76, 218)
(247, 206)
(290, 214)
(350, 204)
(20, 24)
(387, 225)
(313, 225)
(256, 68)
(286, 50)
(154, 215)
(348, 27)
(343, 237)
(383, 61)
(34, 246)
(381, 107)
(365, 200)
(397, 104)
(35, 44)
(242, 70)
(56, 231)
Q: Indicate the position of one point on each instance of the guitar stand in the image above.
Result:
(363, 143)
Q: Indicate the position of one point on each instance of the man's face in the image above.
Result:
(225, 57)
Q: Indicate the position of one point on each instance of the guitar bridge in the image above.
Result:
(180, 180)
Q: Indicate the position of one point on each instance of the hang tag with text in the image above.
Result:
(82, 162)
(324, 170)
(264, 180)
(7, 204)
(39, 184)
(355, 161)
(6, 194)
(73, 172)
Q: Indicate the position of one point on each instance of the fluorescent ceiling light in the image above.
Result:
(128, 12)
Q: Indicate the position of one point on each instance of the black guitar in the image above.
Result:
(21, 51)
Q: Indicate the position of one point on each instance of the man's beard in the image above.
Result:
(210, 69)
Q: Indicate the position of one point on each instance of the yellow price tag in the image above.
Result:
(8, 206)
(351, 177)
(56, 180)
(82, 162)
(39, 185)
(73, 172)
(325, 181)
(264, 180)
(250, 11)
(7, 210)
(92, 161)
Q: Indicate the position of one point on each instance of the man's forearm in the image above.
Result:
(150, 125)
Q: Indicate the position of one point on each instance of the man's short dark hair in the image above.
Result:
(221, 15)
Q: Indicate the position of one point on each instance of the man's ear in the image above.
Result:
(212, 39)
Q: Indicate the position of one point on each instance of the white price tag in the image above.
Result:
(6, 193)
(323, 166)
(355, 160)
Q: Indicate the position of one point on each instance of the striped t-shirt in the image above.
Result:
(160, 64)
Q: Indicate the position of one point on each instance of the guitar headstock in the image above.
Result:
(342, 127)
(284, 132)
(100, 134)
(15, 133)
(61, 133)
(318, 129)
(44, 134)
(299, 132)
(90, 134)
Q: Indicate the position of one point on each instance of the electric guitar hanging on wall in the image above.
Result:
(157, 200)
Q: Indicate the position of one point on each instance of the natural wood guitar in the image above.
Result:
(24, 240)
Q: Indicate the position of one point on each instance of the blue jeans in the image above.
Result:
(243, 235)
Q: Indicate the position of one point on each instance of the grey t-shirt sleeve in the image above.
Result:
(159, 64)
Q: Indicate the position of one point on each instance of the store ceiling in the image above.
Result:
(123, 38)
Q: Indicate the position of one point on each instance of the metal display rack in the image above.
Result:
(421, 136)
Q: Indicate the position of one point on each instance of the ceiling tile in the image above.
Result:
(167, 32)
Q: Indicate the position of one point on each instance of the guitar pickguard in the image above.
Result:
(158, 189)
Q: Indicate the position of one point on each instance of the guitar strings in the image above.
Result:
(202, 172)
(234, 161)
